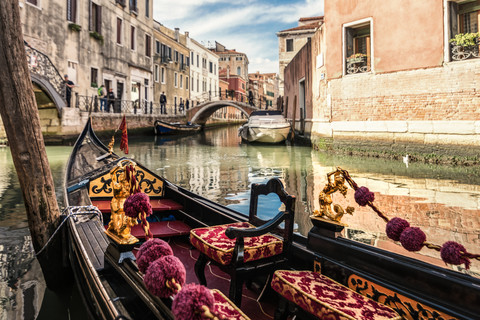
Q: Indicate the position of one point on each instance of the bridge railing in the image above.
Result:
(260, 102)
(103, 105)
(40, 64)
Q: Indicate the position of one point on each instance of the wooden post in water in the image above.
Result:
(19, 112)
(294, 117)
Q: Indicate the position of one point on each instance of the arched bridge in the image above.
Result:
(203, 111)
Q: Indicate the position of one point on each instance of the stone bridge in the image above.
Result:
(202, 112)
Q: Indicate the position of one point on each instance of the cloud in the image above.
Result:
(249, 26)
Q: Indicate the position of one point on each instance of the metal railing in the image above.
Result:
(40, 64)
(261, 102)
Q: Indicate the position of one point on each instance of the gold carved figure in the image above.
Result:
(120, 225)
(327, 211)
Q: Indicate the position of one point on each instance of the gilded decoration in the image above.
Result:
(329, 211)
(405, 307)
(120, 225)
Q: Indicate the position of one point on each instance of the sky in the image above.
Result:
(248, 26)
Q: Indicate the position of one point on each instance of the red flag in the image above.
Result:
(124, 141)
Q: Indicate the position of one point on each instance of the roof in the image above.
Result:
(310, 26)
(310, 18)
(228, 51)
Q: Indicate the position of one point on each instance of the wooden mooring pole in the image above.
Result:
(19, 112)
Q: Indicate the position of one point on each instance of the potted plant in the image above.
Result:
(357, 57)
(96, 36)
(464, 45)
(74, 27)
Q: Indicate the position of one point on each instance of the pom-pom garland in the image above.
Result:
(150, 251)
(451, 252)
(411, 238)
(363, 196)
(164, 276)
(395, 228)
(138, 205)
(190, 302)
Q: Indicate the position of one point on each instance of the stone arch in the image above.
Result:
(47, 87)
(201, 113)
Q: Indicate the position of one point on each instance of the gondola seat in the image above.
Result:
(225, 309)
(324, 298)
(248, 248)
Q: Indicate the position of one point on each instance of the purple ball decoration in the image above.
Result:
(363, 196)
(451, 252)
(162, 270)
(137, 203)
(188, 302)
(412, 238)
(150, 251)
(395, 228)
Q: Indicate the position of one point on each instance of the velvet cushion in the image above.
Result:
(327, 299)
(226, 308)
(213, 242)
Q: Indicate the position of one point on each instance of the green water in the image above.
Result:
(443, 201)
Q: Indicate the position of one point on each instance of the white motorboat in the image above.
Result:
(267, 126)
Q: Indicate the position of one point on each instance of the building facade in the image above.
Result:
(404, 93)
(171, 68)
(203, 72)
(95, 42)
(290, 41)
(264, 88)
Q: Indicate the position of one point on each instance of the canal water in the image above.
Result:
(443, 201)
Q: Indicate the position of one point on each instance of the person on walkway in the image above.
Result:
(102, 96)
(68, 92)
(163, 102)
(111, 99)
(181, 106)
(187, 104)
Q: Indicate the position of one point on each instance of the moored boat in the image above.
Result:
(266, 126)
(114, 286)
(164, 128)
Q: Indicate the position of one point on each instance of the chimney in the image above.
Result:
(187, 34)
(177, 34)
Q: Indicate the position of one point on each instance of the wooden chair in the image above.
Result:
(243, 248)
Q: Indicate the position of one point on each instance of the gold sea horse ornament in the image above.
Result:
(329, 211)
(120, 225)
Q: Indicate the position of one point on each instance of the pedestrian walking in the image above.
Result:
(163, 102)
(102, 96)
(181, 105)
(111, 99)
(68, 92)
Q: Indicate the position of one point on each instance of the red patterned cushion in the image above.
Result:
(327, 299)
(225, 308)
(213, 242)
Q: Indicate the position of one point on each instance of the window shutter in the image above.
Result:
(90, 17)
(74, 11)
(99, 20)
(453, 19)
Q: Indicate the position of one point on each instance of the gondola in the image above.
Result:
(170, 128)
(388, 285)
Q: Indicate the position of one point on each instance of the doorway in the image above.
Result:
(301, 102)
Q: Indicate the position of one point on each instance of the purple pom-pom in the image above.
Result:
(451, 252)
(363, 196)
(188, 302)
(150, 251)
(160, 272)
(395, 228)
(137, 203)
(412, 238)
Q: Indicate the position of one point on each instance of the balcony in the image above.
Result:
(357, 63)
(465, 46)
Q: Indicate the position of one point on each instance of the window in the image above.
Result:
(148, 45)
(119, 30)
(95, 18)
(34, 2)
(192, 57)
(147, 8)
(198, 61)
(204, 63)
(132, 37)
(162, 74)
(71, 10)
(193, 83)
(239, 71)
(238, 58)
(464, 19)
(210, 65)
(181, 61)
(358, 48)
(176, 56)
(133, 6)
(289, 44)
(157, 47)
(176, 80)
(181, 81)
(156, 72)
(186, 83)
(93, 77)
